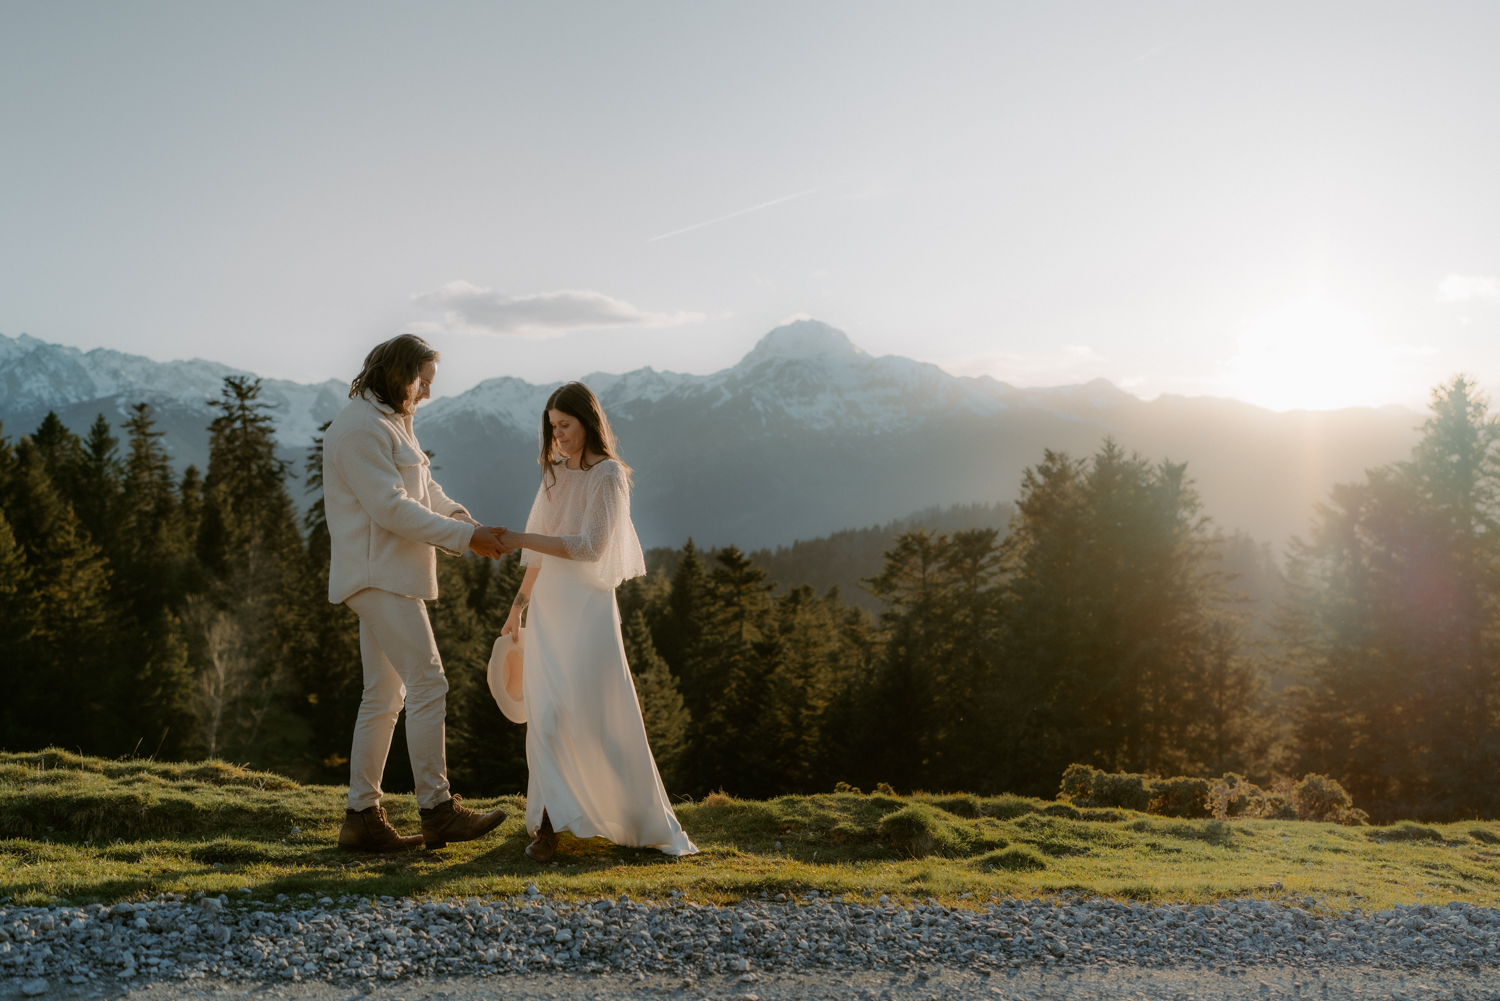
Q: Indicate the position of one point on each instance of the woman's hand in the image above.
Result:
(512, 622)
(511, 540)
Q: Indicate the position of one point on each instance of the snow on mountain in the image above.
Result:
(807, 434)
(36, 377)
(806, 372)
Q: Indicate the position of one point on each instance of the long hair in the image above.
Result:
(578, 402)
(391, 368)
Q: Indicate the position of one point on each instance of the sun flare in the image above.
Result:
(1315, 354)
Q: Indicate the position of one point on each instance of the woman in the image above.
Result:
(591, 768)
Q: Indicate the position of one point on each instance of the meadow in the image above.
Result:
(82, 829)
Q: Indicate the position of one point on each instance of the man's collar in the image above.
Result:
(383, 408)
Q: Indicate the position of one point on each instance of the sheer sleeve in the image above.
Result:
(607, 538)
(534, 526)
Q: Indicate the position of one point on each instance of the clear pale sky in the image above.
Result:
(1294, 204)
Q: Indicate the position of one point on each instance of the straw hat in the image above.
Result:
(505, 675)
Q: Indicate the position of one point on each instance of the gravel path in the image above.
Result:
(1028, 948)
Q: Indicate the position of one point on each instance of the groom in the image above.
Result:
(386, 519)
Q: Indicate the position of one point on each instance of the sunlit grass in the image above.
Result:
(82, 829)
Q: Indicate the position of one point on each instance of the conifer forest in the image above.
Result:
(1110, 625)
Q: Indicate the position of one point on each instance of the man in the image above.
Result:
(386, 518)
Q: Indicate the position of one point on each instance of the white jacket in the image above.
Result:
(385, 512)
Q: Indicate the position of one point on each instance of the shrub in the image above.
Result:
(1318, 797)
(1180, 797)
(1087, 786)
(1263, 805)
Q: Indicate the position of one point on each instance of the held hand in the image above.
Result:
(486, 542)
(509, 539)
(464, 517)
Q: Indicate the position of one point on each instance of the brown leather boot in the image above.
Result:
(545, 845)
(368, 830)
(452, 821)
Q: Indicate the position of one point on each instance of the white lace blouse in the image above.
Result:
(590, 510)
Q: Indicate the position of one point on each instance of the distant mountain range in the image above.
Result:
(805, 436)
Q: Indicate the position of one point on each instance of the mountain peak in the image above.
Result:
(803, 338)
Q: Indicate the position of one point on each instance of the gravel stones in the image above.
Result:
(172, 939)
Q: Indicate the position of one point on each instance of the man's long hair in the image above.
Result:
(391, 368)
(578, 402)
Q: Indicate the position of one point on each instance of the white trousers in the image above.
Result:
(402, 666)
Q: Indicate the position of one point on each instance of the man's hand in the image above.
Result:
(464, 517)
(486, 542)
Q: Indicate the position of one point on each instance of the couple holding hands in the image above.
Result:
(590, 767)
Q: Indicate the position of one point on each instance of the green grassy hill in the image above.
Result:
(86, 829)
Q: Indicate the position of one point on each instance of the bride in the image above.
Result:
(591, 768)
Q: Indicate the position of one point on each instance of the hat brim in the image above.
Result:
(506, 675)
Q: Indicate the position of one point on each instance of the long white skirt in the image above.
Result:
(591, 767)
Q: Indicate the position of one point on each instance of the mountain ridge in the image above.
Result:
(806, 435)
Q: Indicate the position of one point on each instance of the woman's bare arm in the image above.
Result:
(547, 545)
(523, 599)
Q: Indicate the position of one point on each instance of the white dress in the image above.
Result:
(590, 766)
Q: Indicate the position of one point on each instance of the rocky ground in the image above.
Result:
(531, 946)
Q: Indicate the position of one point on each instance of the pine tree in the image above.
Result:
(667, 718)
(932, 701)
(253, 555)
(56, 685)
(248, 524)
(1391, 624)
(678, 633)
(62, 456)
(1110, 603)
(726, 681)
(98, 480)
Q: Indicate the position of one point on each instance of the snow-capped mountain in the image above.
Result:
(805, 375)
(36, 377)
(806, 435)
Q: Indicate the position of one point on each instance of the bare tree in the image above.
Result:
(225, 674)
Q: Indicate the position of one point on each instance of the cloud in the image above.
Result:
(1074, 363)
(480, 310)
(1465, 288)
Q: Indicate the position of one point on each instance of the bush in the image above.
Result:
(1087, 786)
(1318, 797)
(1180, 797)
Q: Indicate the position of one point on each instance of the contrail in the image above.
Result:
(722, 218)
(1156, 51)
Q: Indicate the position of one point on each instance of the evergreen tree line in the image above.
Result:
(187, 617)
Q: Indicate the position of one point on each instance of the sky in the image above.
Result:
(1288, 203)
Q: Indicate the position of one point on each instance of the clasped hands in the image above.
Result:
(490, 542)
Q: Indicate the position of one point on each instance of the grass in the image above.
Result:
(85, 829)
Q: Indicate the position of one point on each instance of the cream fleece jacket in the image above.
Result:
(385, 512)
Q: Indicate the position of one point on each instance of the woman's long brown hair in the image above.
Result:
(578, 402)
